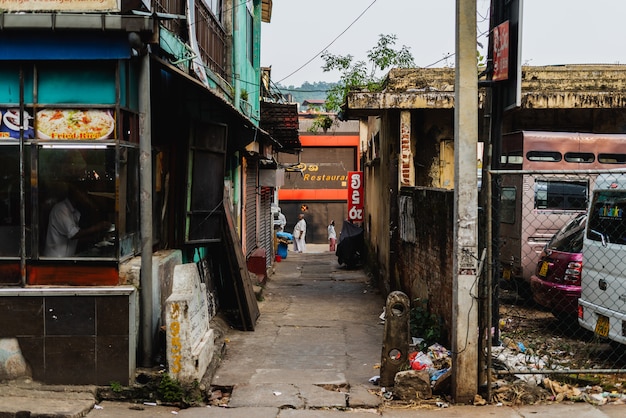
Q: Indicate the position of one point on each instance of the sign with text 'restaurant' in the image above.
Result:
(355, 196)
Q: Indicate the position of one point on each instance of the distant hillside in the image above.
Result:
(307, 91)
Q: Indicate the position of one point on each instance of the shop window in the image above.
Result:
(10, 203)
(128, 223)
(76, 198)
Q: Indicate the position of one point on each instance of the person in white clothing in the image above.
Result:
(64, 231)
(332, 236)
(282, 221)
(299, 235)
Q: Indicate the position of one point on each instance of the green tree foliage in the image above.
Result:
(360, 75)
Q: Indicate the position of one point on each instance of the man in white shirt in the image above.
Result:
(299, 235)
(64, 231)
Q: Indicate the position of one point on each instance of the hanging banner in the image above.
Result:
(355, 196)
(501, 52)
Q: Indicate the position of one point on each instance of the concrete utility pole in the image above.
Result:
(465, 307)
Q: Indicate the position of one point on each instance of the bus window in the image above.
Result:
(545, 156)
(507, 205)
(612, 158)
(563, 195)
(579, 157)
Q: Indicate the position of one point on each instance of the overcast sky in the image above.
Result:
(554, 32)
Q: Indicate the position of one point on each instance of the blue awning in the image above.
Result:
(40, 45)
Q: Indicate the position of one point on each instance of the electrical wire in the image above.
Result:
(332, 42)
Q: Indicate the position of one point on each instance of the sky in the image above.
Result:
(554, 32)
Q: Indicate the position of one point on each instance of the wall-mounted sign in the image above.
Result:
(10, 124)
(60, 5)
(355, 196)
(74, 124)
(501, 52)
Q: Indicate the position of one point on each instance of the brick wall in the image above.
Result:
(424, 262)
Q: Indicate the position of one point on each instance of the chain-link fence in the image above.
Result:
(559, 281)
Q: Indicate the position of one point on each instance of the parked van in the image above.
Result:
(602, 304)
(545, 183)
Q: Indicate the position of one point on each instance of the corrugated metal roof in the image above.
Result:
(266, 11)
(281, 122)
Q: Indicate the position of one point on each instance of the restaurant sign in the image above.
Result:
(355, 196)
(60, 5)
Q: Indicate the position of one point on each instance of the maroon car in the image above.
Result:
(556, 282)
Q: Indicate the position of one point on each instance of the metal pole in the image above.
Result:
(465, 288)
(145, 185)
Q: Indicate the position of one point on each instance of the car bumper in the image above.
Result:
(555, 296)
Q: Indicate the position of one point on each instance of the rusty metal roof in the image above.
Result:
(281, 122)
(266, 11)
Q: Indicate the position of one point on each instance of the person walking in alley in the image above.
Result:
(282, 221)
(299, 235)
(332, 236)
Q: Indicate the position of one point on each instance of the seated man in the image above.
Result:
(64, 231)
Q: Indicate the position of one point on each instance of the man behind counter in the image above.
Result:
(64, 231)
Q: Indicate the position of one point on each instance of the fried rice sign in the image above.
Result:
(355, 196)
(74, 124)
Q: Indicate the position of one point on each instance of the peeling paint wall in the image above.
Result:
(425, 266)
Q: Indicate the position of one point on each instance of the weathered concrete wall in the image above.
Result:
(378, 170)
(425, 265)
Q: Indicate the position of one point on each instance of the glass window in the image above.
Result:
(612, 158)
(606, 217)
(250, 36)
(566, 195)
(579, 157)
(77, 200)
(507, 205)
(548, 156)
(129, 225)
(10, 201)
(570, 237)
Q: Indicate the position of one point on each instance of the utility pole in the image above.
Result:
(465, 289)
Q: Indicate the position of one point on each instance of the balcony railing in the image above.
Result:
(211, 40)
(209, 32)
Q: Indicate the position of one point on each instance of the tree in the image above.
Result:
(361, 75)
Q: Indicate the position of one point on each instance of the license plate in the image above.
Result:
(506, 274)
(543, 271)
(602, 326)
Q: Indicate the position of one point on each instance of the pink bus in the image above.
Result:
(546, 179)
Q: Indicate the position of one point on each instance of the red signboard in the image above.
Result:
(501, 52)
(355, 196)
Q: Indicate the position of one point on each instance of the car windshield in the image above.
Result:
(570, 237)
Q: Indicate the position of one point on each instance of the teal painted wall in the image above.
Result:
(245, 67)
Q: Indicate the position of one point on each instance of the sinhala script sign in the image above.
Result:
(60, 5)
(355, 196)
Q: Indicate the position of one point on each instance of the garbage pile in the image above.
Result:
(436, 360)
(530, 386)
